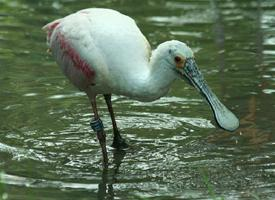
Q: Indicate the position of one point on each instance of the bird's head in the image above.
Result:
(181, 61)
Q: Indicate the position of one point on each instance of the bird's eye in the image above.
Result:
(178, 59)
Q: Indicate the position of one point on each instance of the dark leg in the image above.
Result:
(118, 142)
(97, 126)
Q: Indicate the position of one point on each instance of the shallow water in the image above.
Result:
(47, 150)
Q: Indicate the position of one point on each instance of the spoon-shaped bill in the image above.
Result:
(224, 117)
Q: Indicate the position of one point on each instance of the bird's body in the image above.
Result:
(102, 51)
(106, 41)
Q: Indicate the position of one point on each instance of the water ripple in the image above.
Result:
(41, 183)
(159, 121)
(63, 96)
(21, 154)
(177, 21)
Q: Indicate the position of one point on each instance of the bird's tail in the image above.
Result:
(50, 27)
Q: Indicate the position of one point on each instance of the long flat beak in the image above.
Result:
(224, 117)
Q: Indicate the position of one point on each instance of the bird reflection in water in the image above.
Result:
(109, 176)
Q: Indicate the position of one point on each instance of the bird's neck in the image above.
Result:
(158, 79)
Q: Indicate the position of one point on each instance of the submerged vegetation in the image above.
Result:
(211, 189)
(209, 186)
(3, 194)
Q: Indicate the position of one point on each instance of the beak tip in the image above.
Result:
(228, 122)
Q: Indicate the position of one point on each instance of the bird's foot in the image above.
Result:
(119, 143)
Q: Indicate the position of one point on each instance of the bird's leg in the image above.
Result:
(97, 126)
(118, 142)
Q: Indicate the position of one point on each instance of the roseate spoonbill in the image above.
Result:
(102, 51)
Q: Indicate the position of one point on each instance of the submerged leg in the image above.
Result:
(97, 126)
(118, 142)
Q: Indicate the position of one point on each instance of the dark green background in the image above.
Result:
(47, 150)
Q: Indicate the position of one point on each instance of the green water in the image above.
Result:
(47, 150)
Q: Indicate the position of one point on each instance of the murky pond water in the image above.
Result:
(47, 150)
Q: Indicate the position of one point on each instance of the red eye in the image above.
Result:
(178, 59)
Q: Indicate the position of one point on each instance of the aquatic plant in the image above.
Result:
(3, 194)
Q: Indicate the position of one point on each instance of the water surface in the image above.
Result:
(47, 150)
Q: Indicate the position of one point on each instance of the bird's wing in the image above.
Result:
(110, 42)
(118, 38)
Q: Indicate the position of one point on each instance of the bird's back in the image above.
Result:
(105, 45)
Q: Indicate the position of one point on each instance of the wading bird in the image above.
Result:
(102, 51)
